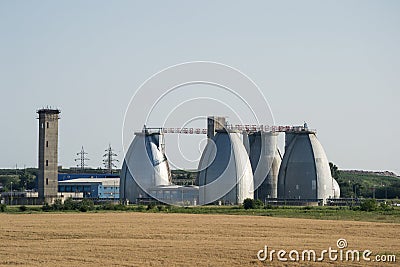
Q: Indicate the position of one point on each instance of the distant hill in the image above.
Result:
(380, 173)
(358, 183)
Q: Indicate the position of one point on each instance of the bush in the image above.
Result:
(22, 208)
(111, 206)
(385, 207)
(160, 208)
(248, 203)
(3, 207)
(86, 205)
(140, 208)
(57, 205)
(83, 208)
(37, 209)
(46, 207)
(150, 206)
(268, 207)
(107, 206)
(368, 205)
(258, 204)
(70, 204)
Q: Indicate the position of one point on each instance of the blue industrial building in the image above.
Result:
(94, 188)
(69, 176)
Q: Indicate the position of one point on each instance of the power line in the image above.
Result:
(82, 159)
(109, 159)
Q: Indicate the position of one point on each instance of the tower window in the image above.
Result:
(47, 181)
(47, 143)
(47, 124)
(47, 162)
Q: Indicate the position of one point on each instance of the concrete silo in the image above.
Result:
(224, 172)
(304, 173)
(145, 166)
(265, 161)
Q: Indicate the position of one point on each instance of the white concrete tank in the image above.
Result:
(224, 171)
(145, 166)
(304, 172)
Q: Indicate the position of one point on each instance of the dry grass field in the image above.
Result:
(158, 239)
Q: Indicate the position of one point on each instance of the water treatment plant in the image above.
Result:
(238, 162)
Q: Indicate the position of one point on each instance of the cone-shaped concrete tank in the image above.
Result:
(336, 189)
(304, 172)
(145, 166)
(224, 172)
(265, 160)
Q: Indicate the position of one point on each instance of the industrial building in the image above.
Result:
(176, 194)
(69, 176)
(94, 188)
(238, 162)
(31, 197)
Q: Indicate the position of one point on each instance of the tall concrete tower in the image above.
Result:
(48, 154)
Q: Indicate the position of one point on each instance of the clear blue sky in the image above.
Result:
(335, 64)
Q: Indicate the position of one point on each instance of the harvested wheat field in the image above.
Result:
(158, 239)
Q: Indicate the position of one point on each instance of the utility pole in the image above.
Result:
(11, 194)
(109, 159)
(385, 190)
(82, 159)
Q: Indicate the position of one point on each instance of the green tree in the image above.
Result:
(9, 181)
(26, 181)
(334, 171)
(369, 205)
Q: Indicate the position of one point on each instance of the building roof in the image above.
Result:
(69, 176)
(48, 111)
(103, 181)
